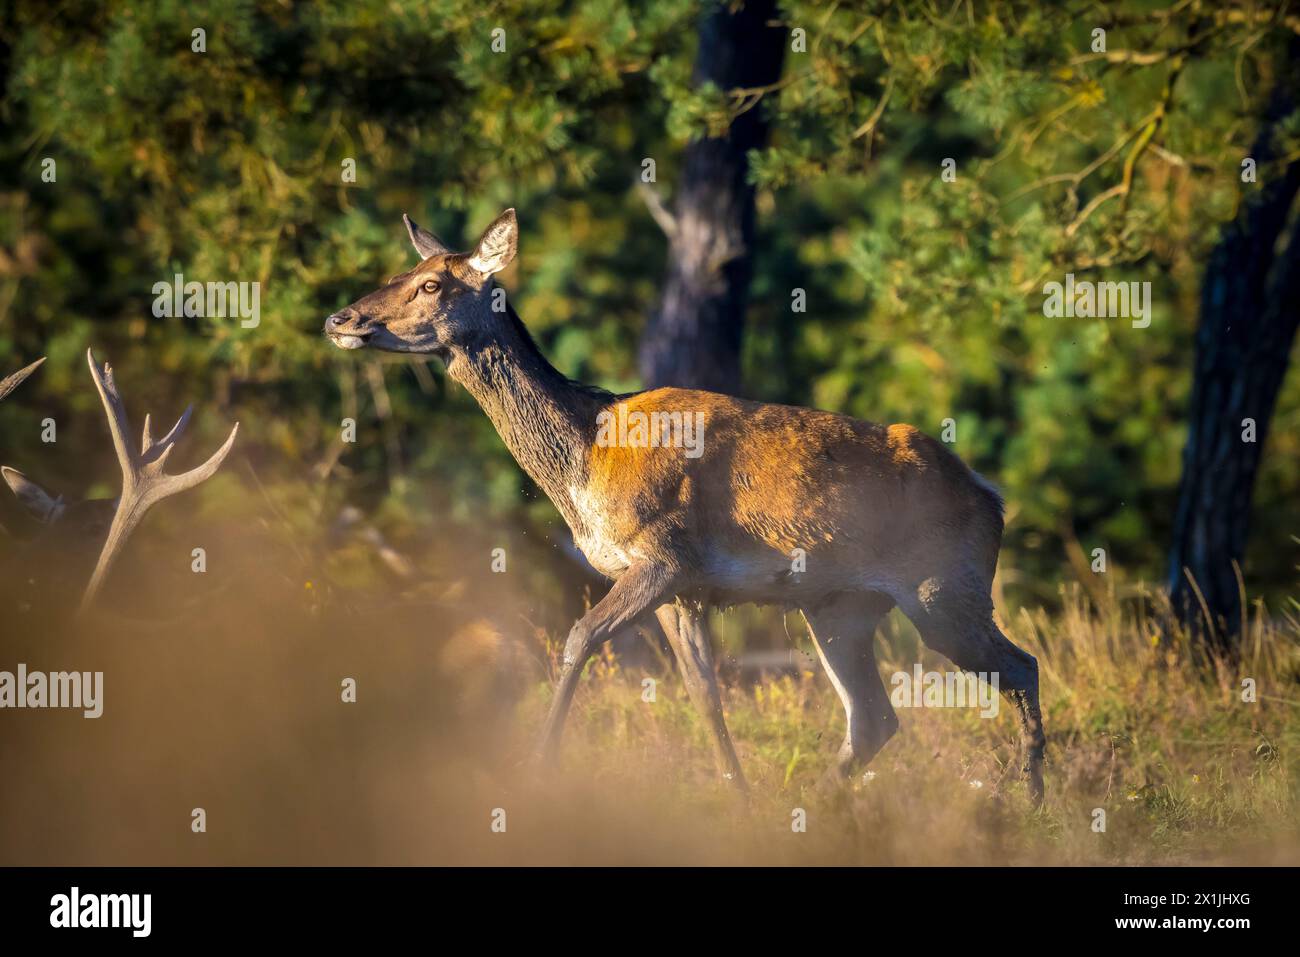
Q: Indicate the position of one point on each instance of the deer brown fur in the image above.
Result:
(884, 515)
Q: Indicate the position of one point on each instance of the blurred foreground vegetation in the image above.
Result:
(234, 706)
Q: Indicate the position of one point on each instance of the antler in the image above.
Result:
(12, 382)
(143, 480)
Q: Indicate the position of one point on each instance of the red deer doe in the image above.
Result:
(884, 515)
(74, 527)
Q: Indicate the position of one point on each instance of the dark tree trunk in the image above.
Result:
(1250, 308)
(695, 338)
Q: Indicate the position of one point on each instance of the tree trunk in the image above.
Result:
(1250, 308)
(695, 339)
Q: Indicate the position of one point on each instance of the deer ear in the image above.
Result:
(33, 498)
(497, 246)
(425, 242)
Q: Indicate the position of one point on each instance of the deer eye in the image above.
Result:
(430, 286)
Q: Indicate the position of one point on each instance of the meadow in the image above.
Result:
(226, 696)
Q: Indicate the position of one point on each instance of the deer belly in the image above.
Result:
(770, 577)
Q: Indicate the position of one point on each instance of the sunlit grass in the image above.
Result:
(232, 703)
(1183, 769)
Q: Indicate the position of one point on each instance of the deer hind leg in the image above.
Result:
(843, 629)
(641, 588)
(687, 629)
(956, 619)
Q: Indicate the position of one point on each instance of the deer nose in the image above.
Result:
(347, 321)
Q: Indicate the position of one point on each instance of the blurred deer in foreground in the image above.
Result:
(77, 526)
(876, 516)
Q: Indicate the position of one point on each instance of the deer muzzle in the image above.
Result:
(342, 329)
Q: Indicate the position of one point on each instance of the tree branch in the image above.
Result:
(658, 211)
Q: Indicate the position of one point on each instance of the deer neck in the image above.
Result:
(546, 421)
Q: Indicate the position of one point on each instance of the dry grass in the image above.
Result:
(233, 705)
(1185, 771)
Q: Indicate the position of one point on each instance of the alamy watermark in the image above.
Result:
(54, 689)
(213, 300)
(636, 429)
(946, 689)
(74, 909)
(1098, 300)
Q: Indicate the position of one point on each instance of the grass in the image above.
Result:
(1183, 769)
(224, 693)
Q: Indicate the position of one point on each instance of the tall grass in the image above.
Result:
(1141, 727)
(222, 691)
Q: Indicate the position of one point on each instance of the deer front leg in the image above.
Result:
(640, 588)
(687, 629)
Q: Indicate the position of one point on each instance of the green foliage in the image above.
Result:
(1080, 420)
(924, 296)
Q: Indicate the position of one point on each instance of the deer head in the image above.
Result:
(144, 483)
(442, 306)
(57, 556)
